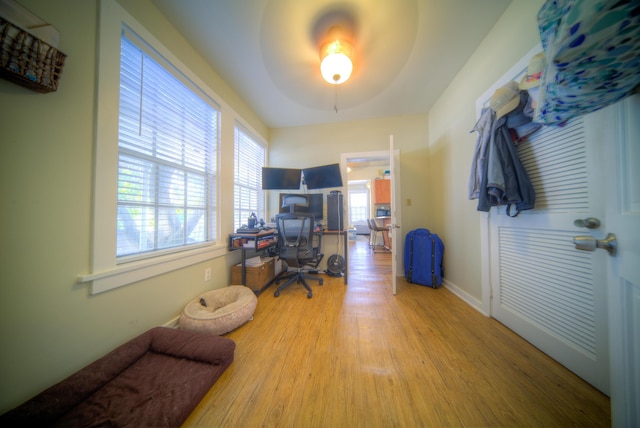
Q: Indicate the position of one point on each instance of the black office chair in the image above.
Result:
(296, 248)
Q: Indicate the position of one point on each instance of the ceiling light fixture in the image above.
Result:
(336, 59)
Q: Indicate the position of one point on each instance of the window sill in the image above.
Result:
(128, 273)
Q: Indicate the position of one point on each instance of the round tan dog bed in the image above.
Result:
(219, 311)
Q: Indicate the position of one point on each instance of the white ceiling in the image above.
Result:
(407, 52)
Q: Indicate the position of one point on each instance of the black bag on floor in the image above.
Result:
(423, 258)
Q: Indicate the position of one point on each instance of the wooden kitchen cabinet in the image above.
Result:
(383, 191)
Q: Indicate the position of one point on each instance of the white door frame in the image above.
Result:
(394, 226)
(620, 160)
(485, 224)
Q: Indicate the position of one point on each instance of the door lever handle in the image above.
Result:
(589, 243)
(589, 223)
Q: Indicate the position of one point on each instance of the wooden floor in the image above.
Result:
(357, 356)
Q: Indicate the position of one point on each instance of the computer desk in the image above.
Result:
(265, 239)
(254, 242)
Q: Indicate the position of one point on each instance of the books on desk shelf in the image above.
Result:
(248, 230)
(261, 242)
(255, 230)
(265, 243)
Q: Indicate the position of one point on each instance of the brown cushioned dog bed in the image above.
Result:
(219, 311)
(154, 380)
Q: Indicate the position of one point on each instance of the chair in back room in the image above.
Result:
(373, 238)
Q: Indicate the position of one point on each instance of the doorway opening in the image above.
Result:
(363, 170)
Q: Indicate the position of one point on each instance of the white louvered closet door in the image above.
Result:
(542, 287)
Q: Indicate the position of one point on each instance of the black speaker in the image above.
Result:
(335, 211)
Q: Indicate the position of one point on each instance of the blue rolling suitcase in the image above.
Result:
(423, 258)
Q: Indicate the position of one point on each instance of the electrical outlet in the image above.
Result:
(207, 274)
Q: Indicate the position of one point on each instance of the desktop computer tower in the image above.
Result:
(335, 212)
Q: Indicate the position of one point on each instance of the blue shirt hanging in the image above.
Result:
(592, 50)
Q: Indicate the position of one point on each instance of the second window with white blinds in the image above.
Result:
(249, 158)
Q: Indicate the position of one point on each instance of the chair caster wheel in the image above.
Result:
(309, 295)
(276, 294)
(321, 282)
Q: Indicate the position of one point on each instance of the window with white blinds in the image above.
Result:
(167, 145)
(157, 137)
(358, 206)
(249, 158)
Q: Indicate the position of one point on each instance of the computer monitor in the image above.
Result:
(315, 204)
(280, 178)
(322, 177)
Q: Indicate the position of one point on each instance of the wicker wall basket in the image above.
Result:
(27, 60)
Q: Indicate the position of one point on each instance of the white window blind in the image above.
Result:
(249, 158)
(167, 145)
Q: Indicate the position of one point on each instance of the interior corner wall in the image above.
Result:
(50, 326)
(451, 144)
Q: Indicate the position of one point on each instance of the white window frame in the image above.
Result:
(367, 209)
(241, 132)
(107, 273)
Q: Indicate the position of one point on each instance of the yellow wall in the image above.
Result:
(50, 326)
(451, 144)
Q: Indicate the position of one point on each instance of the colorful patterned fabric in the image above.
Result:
(592, 50)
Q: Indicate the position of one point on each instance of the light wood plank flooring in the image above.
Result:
(357, 356)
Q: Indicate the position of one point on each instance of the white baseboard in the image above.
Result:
(469, 299)
(174, 323)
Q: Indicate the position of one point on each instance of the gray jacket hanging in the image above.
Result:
(505, 181)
